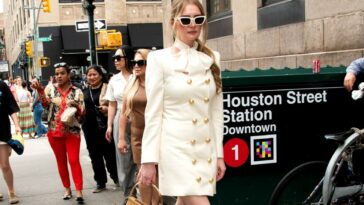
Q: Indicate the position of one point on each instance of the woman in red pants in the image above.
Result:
(64, 138)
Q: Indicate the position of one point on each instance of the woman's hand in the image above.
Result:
(72, 103)
(220, 169)
(147, 174)
(36, 85)
(103, 109)
(108, 134)
(122, 146)
(17, 129)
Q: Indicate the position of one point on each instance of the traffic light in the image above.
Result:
(108, 39)
(101, 38)
(114, 39)
(44, 62)
(46, 6)
(29, 48)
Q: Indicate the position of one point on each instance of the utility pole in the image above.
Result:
(89, 7)
(35, 42)
(34, 8)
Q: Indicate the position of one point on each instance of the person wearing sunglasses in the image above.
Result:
(114, 94)
(133, 108)
(64, 138)
(183, 131)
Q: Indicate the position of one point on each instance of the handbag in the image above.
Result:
(17, 143)
(133, 200)
(68, 116)
(100, 118)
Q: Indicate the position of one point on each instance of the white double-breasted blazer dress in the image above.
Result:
(183, 121)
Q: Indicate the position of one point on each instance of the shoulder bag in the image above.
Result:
(133, 200)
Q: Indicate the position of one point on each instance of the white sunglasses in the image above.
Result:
(186, 20)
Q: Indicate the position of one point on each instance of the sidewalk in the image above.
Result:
(37, 181)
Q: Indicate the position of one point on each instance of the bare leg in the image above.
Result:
(5, 152)
(194, 200)
(79, 193)
(179, 201)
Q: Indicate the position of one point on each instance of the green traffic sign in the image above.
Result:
(45, 39)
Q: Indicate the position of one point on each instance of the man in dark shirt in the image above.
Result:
(8, 107)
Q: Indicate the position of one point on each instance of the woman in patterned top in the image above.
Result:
(64, 139)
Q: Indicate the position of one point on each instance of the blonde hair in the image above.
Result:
(133, 85)
(177, 8)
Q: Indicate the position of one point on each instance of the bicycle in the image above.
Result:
(321, 183)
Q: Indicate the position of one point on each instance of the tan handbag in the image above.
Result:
(133, 200)
(68, 116)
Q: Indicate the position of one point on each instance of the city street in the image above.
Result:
(37, 181)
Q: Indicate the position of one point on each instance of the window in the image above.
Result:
(218, 6)
(280, 12)
(220, 18)
(269, 2)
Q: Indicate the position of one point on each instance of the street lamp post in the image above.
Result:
(89, 7)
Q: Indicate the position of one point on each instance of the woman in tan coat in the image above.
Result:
(134, 102)
(184, 115)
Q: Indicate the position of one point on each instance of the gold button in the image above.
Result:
(194, 161)
(198, 179)
(206, 99)
(193, 141)
(209, 160)
(206, 120)
(207, 140)
(191, 101)
(211, 180)
(189, 81)
(194, 120)
(207, 81)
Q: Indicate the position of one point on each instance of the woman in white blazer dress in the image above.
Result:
(184, 115)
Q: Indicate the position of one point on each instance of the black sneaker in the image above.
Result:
(99, 188)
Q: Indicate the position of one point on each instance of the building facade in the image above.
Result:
(134, 19)
(4, 68)
(249, 34)
(265, 34)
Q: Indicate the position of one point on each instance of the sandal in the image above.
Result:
(79, 200)
(67, 196)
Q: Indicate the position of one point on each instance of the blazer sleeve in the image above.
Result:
(109, 96)
(153, 111)
(217, 116)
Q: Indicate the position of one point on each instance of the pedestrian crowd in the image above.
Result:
(158, 121)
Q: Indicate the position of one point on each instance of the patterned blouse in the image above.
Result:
(56, 101)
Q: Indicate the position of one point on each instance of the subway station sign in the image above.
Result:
(275, 120)
(272, 127)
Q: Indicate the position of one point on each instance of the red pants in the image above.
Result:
(63, 147)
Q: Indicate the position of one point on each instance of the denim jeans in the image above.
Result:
(40, 128)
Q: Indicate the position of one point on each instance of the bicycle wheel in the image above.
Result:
(331, 185)
(297, 185)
